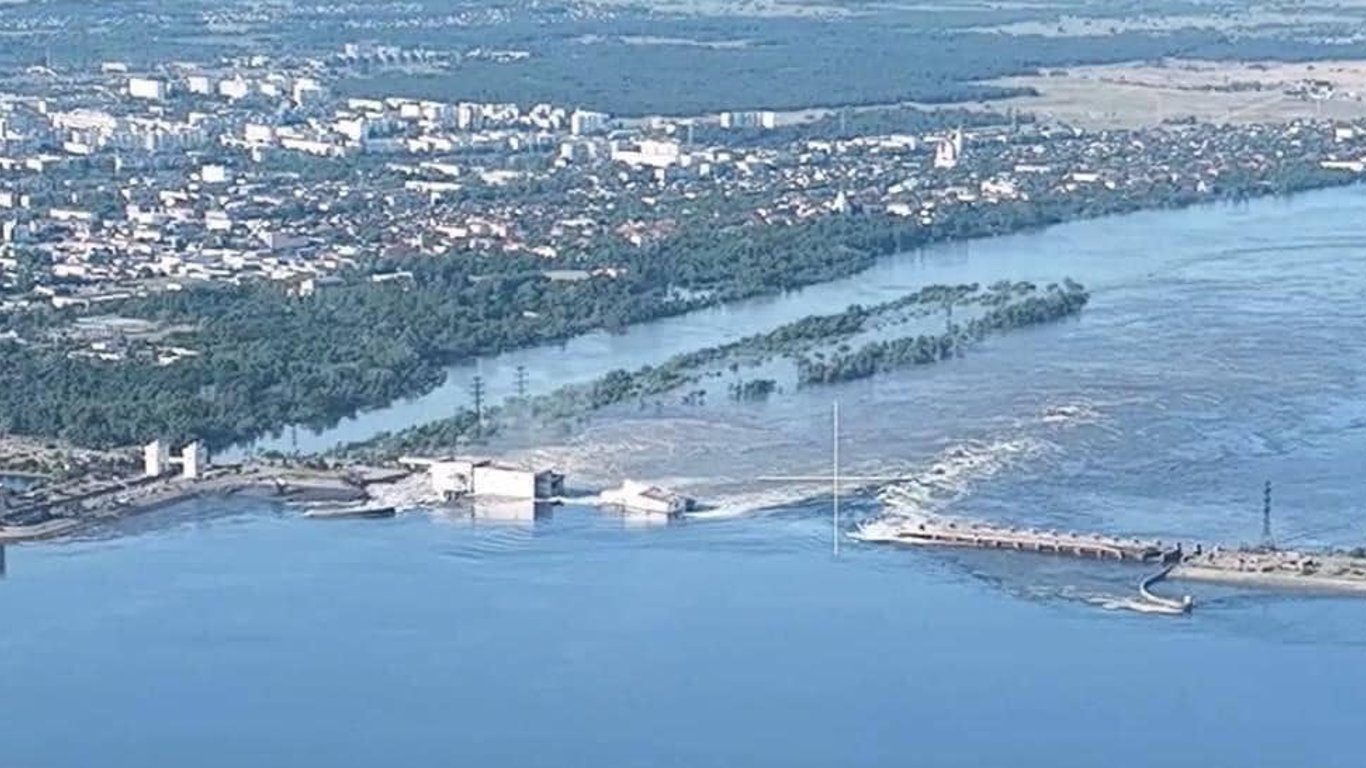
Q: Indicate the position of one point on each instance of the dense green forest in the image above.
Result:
(633, 60)
(802, 63)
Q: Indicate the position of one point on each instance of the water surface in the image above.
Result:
(1222, 347)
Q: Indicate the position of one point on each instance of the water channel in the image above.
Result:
(1222, 348)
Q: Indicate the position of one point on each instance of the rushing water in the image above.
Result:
(1222, 347)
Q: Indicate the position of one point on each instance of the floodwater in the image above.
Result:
(1222, 348)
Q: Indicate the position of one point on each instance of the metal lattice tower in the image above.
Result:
(1266, 515)
(521, 382)
(477, 393)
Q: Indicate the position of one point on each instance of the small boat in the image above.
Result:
(364, 512)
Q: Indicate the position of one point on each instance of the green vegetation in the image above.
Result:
(1056, 303)
(267, 360)
(632, 60)
(1009, 305)
(752, 390)
(789, 63)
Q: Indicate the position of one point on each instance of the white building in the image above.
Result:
(733, 120)
(200, 85)
(255, 133)
(454, 478)
(213, 174)
(491, 479)
(147, 88)
(217, 221)
(583, 122)
(649, 153)
(355, 130)
(157, 460)
(13, 231)
(640, 497)
(949, 151)
(234, 89)
(469, 117)
(307, 91)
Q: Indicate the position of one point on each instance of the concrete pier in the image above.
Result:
(950, 534)
(1259, 567)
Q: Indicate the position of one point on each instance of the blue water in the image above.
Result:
(1222, 347)
(266, 640)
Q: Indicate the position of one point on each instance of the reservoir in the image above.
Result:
(1222, 348)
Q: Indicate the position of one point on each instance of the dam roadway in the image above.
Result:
(951, 534)
(1261, 567)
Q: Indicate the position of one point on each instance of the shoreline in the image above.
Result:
(1290, 570)
(59, 516)
(275, 439)
(1289, 582)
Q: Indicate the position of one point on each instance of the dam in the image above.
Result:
(946, 533)
(1264, 567)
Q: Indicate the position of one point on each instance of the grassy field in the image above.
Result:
(1131, 95)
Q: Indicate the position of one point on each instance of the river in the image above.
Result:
(1106, 252)
(1222, 348)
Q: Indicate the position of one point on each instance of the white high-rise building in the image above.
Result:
(469, 117)
(307, 91)
(147, 88)
(583, 122)
(236, 88)
(949, 150)
(733, 120)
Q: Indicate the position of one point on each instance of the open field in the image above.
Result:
(1252, 21)
(1133, 95)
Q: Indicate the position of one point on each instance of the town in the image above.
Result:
(116, 184)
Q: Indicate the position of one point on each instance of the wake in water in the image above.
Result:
(739, 462)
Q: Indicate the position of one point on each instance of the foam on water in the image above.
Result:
(956, 470)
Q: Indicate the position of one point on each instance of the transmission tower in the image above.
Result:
(1266, 516)
(948, 328)
(477, 393)
(521, 382)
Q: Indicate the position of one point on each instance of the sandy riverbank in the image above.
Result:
(1270, 579)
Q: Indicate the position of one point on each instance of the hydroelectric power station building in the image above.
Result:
(455, 478)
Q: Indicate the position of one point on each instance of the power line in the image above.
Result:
(835, 476)
(521, 382)
(1266, 515)
(477, 392)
